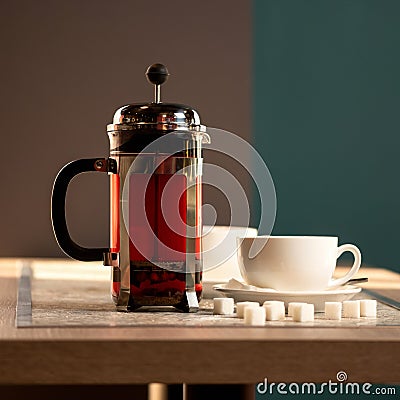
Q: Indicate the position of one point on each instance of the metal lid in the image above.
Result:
(157, 116)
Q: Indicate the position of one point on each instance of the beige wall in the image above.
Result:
(66, 66)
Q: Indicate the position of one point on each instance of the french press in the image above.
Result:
(155, 169)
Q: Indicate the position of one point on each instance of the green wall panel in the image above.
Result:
(326, 116)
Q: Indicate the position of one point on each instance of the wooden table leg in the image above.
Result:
(162, 391)
(231, 392)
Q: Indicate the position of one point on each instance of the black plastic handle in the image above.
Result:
(58, 197)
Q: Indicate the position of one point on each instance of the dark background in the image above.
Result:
(326, 97)
(66, 66)
(320, 80)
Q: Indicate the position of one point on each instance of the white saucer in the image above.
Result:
(318, 298)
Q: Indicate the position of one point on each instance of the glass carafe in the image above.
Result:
(155, 168)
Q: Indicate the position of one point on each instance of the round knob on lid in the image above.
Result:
(157, 74)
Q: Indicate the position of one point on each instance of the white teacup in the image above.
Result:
(219, 251)
(293, 263)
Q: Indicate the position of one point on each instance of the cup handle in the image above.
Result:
(354, 269)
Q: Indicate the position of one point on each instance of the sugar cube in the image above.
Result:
(303, 312)
(333, 310)
(223, 306)
(241, 306)
(254, 316)
(368, 308)
(273, 302)
(351, 309)
(290, 308)
(274, 311)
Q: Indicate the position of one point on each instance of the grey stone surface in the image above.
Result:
(61, 303)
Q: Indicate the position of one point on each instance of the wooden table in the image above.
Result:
(140, 355)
